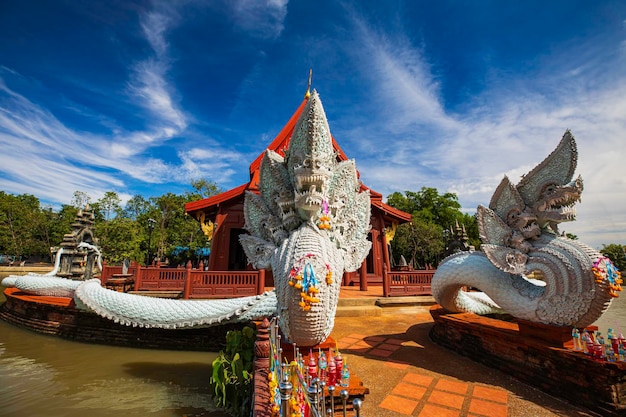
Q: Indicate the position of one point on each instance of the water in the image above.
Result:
(615, 316)
(47, 376)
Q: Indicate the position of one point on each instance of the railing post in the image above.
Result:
(357, 403)
(344, 397)
(138, 277)
(323, 398)
(260, 289)
(286, 388)
(331, 394)
(313, 394)
(187, 291)
(103, 273)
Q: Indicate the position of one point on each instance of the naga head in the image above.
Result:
(556, 202)
(508, 204)
(517, 215)
(310, 159)
(549, 191)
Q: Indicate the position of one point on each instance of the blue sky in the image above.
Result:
(141, 96)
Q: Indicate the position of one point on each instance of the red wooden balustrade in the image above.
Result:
(198, 283)
(191, 283)
(406, 283)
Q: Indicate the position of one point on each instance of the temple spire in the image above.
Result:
(308, 88)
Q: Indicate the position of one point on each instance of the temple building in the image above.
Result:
(222, 219)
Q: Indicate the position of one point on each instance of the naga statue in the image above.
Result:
(525, 267)
(308, 224)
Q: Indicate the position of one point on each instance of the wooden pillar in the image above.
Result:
(386, 283)
(363, 276)
(386, 265)
(187, 291)
(345, 279)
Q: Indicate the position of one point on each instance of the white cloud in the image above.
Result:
(154, 25)
(211, 162)
(151, 88)
(263, 19)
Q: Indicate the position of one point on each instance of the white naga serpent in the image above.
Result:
(520, 236)
(308, 225)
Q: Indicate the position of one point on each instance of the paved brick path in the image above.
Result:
(418, 394)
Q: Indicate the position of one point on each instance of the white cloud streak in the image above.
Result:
(263, 19)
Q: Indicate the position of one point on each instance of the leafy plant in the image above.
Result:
(231, 378)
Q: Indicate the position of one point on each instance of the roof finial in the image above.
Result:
(308, 88)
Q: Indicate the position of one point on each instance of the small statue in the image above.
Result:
(345, 376)
(322, 365)
(576, 339)
(339, 365)
(587, 342)
(332, 369)
(599, 346)
(600, 338)
(312, 371)
(609, 353)
(614, 341)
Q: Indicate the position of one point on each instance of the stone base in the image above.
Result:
(58, 316)
(539, 355)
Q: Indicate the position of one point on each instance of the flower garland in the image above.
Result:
(302, 277)
(604, 268)
(324, 223)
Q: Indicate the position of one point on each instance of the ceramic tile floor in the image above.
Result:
(424, 395)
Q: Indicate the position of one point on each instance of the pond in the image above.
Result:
(47, 376)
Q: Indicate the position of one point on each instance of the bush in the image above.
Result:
(231, 378)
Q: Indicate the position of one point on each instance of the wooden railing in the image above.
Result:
(198, 283)
(191, 283)
(405, 283)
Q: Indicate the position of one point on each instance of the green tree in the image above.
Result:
(122, 241)
(428, 205)
(203, 188)
(136, 207)
(80, 199)
(19, 216)
(432, 213)
(617, 254)
(420, 242)
(168, 211)
(108, 206)
(115, 236)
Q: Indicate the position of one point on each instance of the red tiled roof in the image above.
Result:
(390, 211)
(216, 199)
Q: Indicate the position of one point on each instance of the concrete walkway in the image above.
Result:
(388, 347)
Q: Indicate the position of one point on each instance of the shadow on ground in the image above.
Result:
(410, 332)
